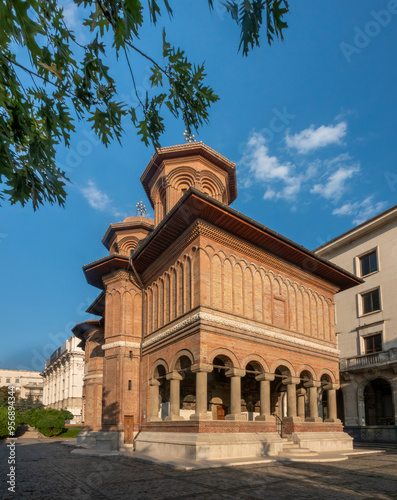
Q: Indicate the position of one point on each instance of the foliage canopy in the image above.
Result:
(69, 81)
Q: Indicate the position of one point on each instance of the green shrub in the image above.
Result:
(48, 421)
(6, 420)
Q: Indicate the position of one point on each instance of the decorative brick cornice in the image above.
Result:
(119, 275)
(239, 325)
(121, 343)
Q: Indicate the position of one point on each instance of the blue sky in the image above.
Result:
(309, 122)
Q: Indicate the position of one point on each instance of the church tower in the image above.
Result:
(173, 170)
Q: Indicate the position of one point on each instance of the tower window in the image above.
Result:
(129, 385)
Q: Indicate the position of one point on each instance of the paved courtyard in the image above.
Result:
(46, 469)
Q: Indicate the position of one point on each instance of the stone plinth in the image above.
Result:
(208, 446)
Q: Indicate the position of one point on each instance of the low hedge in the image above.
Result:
(48, 421)
(9, 421)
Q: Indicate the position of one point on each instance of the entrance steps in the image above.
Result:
(295, 452)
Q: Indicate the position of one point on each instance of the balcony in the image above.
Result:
(369, 360)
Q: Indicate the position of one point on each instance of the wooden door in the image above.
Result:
(220, 412)
(128, 429)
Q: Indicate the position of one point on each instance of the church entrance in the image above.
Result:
(128, 429)
(221, 411)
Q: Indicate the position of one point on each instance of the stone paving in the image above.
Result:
(45, 469)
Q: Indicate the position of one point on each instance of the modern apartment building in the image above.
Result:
(366, 327)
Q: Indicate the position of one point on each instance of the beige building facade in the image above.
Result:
(366, 327)
(63, 379)
(27, 383)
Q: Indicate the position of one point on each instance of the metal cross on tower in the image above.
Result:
(140, 209)
(189, 137)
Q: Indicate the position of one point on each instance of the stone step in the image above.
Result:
(300, 452)
(292, 450)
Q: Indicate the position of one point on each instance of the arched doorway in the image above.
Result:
(164, 391)
(278, 392)
(250, 390)
(219, 387)
(187, 387)
(378, 403)
(323, 397)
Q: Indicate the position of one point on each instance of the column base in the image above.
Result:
(333, 420)
(200, 416)
(154, 419)
(313, 419)
(265, 418)
(292, 420)
(234, 416)
(173, 418)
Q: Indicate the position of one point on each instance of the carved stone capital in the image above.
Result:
(312, 383)
(202, 367)
(173, 376)
(265, 376)
(291, 380)
(235, 372)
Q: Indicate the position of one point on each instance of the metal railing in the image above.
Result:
(279, 424)
(366, 360)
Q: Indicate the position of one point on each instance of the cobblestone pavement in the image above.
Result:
(47, 470)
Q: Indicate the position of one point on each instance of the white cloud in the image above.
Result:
(361, 210)
(278, 176)
(72, 20)
(303, 182)
(336, 184)
(312, 138)
(70, 14)
(99, 200)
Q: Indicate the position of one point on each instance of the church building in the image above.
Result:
(215, 335)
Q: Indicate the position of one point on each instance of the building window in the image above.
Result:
(368, 263)
(17, 380)
(34, 383)
(373, 343)
(371, 301)
(129, 385)
(8, 380)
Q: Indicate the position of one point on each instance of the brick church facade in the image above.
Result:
(214, 333)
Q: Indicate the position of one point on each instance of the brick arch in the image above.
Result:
(211, 184)
(178, 355)
(282, 362)
(183, 173)
(326, 371)
(307, 368)
(158, 362)
(363, 384)
(221, 351)
(255, 358)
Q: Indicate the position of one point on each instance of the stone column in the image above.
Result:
(175, 388)
(394, 393)
(291, 383)
(235, 375)
(154, 400)
(350, 400)
(313, 386)
(201, 370)
(301, 393)
(331, 402)
(265, 410)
